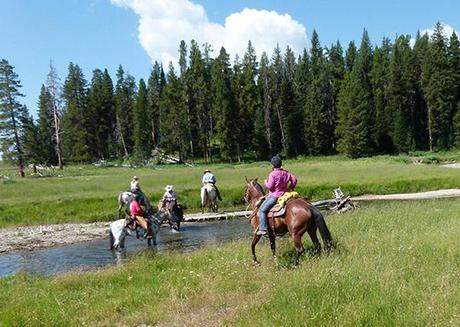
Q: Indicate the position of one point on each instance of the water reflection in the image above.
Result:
(95, 254)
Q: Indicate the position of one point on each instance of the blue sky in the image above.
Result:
(107, 33)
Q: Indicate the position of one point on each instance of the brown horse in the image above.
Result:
(300, 217)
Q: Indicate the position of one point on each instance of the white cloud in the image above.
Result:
(447, 29)
(164, 23)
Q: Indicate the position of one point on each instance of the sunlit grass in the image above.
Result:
(396, 264)
(88, 193)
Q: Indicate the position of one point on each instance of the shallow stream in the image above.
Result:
(94, 254)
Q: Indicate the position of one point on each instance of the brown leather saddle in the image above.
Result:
(277, 211)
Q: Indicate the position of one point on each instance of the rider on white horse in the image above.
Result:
(209, 178)
(169, 199)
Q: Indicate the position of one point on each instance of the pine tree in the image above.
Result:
(248, 99)
(279, 144)
(438, 86)
(454, 65)
(318, 117)
(263, 143)
(420, 115)
(198, 87)
(302, 80)
(76, 139)
(401, 95)
(54, 89)
(125, 92)
(457, 127)
(101, 109)
(291, 113)
(12, 114)
(174, 135)
(379, 79)
(336, 73)
(186, 95)
(238, 106)
(142, 140)
(46, 128)
(224, 106)
(355, 126)
(155, 87)
(30, 138)
(350, 56)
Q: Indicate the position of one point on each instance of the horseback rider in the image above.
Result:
(169, 199)
(209, 178)
(138, 214)
(277, 183)
(135, 188)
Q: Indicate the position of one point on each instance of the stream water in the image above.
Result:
(94, 254)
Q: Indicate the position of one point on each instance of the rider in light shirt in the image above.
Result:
(209, 178)
(169, 199)
(277, 183)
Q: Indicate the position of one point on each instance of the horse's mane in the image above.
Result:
(258, 187)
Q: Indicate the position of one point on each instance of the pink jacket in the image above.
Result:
(278, 182)
(135, 209)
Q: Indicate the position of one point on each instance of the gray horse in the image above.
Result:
(119, 230)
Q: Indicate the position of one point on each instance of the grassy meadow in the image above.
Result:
(396, 264)
(88, 193)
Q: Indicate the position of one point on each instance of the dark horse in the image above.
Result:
(300, 217)
(173, 215)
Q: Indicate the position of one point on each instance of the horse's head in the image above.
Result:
(253, 190)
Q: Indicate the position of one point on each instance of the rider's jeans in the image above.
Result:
(269, 202)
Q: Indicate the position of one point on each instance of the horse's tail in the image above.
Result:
(204, 196)
(321, 224)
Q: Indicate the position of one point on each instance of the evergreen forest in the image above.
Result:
(359, 100)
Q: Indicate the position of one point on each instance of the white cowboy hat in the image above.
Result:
(207, 170)
(168, 188)
(135, 177)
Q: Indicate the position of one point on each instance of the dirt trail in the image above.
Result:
(34, 237)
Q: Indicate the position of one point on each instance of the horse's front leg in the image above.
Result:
(255, 240)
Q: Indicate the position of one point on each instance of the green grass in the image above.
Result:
(396, 264)
(87, 193)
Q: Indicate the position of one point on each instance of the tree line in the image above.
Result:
(400, 96)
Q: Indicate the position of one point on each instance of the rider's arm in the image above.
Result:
(293, 181)
(270, 182)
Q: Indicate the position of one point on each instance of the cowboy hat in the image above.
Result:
(135, 177)
(207, 170)
(168, 188)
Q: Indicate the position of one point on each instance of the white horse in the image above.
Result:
(119, 231)
(209, 198)
(125, 198)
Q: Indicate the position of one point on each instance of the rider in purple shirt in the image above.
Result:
(279, 181)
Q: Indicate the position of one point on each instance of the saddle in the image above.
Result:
(277, 211)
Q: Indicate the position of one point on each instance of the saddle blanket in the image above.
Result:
(279, 208)
(286, 197)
